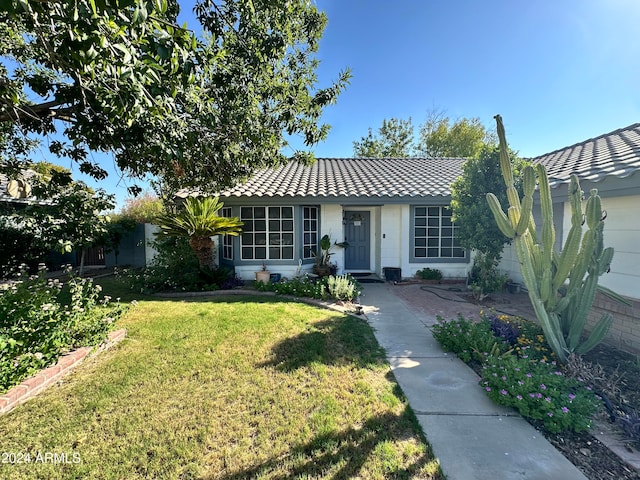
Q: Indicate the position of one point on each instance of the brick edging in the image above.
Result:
(32, 386)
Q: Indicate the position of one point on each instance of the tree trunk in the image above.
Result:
(203, 248)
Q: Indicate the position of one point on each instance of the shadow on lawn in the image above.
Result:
(351, 448)
(343, 341)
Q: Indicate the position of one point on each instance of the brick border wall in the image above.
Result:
(625, 329)
(34, 385)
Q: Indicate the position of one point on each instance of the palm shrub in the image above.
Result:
(560, 307)
(198, 221)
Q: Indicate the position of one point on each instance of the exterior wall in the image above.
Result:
(625, 329)
(134, 249)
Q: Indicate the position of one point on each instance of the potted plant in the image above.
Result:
(263, 275)
(323, 266)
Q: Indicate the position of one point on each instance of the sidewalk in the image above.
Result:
(472, 437)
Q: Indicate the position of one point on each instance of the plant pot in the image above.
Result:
(322, 270)
(263, 276)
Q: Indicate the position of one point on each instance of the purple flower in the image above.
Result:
(588, 388)
(539, 395)
(517, 369)
(550, 414)
(558, 373)
(495, 374)
(532, 395)
(547, 399)
(529, 375)
(503, 392)
(520, 382)
(504, 378)
(543, 386)
(488, 389)
(565, 410)
(519, 397)
(571, 396)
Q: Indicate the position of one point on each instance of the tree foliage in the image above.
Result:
(438, 137)
(394, 139)
(464, 138)
(144, 208)
(198, 220)
(60, 213)
(476, 226)
(122, 77)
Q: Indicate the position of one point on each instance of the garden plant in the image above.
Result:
(561, 285)
(40, 320)
(519, 370)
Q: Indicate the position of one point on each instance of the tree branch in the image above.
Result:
(36, 112)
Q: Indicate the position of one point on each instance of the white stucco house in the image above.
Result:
(394, 213)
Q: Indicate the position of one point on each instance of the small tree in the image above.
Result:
(199, 221)
(476, 227)
(393, 140)
(464, 138)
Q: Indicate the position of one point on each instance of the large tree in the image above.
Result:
(122, 77)
(394, 139)
(464, 138)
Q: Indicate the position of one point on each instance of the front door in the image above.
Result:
(357, 255)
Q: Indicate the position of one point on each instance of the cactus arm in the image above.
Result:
(503, 222)
(568, 256)
(584, 300)
(597, 334)
(613, 295)
(546, 205)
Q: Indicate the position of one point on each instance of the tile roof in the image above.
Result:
(355, 178)
(615, 154)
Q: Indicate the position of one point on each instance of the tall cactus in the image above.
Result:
(560, 307)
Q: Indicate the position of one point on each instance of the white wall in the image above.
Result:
(621, 231)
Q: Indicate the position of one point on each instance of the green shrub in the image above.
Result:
(468, 339)
(175, 268)
(519, 370)
(343, 287)
(429, 274)
(539, 390)
(37, 325)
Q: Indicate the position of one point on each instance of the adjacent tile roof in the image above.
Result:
(615, 154)
(355, 178)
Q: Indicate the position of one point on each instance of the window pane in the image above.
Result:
(287, 225)
(421, 222)
(274, 239)
(447, 232)
(447, 242)
(434, 211)
(260, 226)
(247, 253)
(434, 222)
(307, 238)
(274, 212)
(432, 252)
(274, 253)
(261, 253)
(274, 225)
(457, 252)
(287, 253)
(421, 242)
(446, 221)
(433, 232)
(260, 239)
(433, 242)
(421, 232)
(248, 225)
(421, 211)
(287, 212)
(446, 252)
(247, 239)
(421, 252)
(258, 212)
(246, 212)
(287, 238)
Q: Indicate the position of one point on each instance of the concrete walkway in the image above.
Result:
(472, 437)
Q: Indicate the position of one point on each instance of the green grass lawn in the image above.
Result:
(225, 388)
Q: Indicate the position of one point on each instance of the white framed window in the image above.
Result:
(434, 234)
(268, 233)
(227, 240)
(309, 232)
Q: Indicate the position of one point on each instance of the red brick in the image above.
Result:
(4, 402)
(66, 361)
(16, 393)
(33, 382)
(51, 372)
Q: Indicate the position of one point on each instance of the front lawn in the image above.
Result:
(229, 388)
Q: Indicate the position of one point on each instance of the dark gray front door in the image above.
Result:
(357, 229)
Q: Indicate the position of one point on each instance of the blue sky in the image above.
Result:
(559, 72)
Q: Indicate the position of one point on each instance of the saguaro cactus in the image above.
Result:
(562, 285)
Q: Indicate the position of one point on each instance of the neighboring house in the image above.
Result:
(392, 212)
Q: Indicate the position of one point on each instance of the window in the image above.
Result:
(227, 240)
(267, 234)
(310, 231)
(434, 234)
